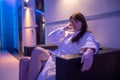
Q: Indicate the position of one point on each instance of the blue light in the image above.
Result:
(39, 11)
(0, 22)
(8, 24)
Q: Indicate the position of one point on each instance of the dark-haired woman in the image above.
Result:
(72, 39)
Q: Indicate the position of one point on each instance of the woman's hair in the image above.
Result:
(79, 17)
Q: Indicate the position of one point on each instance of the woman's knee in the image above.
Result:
(40, 53)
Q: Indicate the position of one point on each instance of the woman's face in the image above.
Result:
(76, 25)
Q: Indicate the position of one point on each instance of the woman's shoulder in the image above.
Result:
(88, 33)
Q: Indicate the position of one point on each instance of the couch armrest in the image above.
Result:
(23, 68)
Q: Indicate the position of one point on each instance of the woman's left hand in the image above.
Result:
(87, 60)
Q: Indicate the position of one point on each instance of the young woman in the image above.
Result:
(72, 39)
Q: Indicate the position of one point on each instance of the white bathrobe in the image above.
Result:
(63, 40)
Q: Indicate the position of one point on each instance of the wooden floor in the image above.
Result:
(9, 66)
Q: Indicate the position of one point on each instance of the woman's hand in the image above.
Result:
(68, 26)
(87, 60)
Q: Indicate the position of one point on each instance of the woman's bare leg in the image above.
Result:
(39, 54)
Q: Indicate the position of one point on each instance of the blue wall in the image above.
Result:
(8, 24)
(0, 23)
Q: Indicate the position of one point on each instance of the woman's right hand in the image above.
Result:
(68, 26)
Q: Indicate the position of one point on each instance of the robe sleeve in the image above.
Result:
(89, 42)
(56, 36)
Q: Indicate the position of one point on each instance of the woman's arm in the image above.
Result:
(88, 49)
(56, 36)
